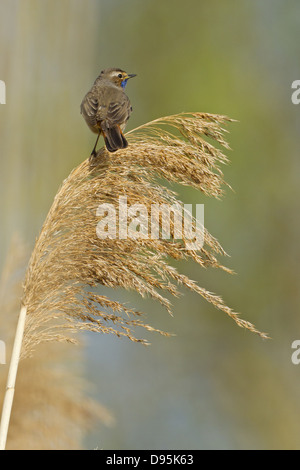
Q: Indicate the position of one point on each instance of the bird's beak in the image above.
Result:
(131, 75)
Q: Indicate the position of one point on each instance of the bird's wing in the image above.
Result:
(119, 110)
(89, 108)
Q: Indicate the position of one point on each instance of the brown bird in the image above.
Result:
(106, 108)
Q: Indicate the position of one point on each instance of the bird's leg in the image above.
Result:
(93, 154)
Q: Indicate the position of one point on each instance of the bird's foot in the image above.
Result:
(93, 156)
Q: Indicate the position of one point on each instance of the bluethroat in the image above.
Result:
(106, 108)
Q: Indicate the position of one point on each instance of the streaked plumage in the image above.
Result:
(106, 108)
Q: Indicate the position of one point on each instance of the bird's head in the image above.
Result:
(117, 76)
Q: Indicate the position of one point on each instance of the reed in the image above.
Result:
(69, 260)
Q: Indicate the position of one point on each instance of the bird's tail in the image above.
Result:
(114, 139)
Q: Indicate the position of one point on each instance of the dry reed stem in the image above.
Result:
(69, 260)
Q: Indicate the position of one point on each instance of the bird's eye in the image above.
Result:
(120, 75)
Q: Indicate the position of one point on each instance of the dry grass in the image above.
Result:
(69, 260)
(52, 409)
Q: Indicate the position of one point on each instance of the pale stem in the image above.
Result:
(11, 379)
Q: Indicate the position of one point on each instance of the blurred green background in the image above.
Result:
(213, 385)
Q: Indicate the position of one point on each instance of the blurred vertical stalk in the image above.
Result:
(11, 380)
(44, 88)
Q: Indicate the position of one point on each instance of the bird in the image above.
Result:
(106, 108)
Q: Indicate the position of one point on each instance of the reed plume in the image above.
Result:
(69, 260)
